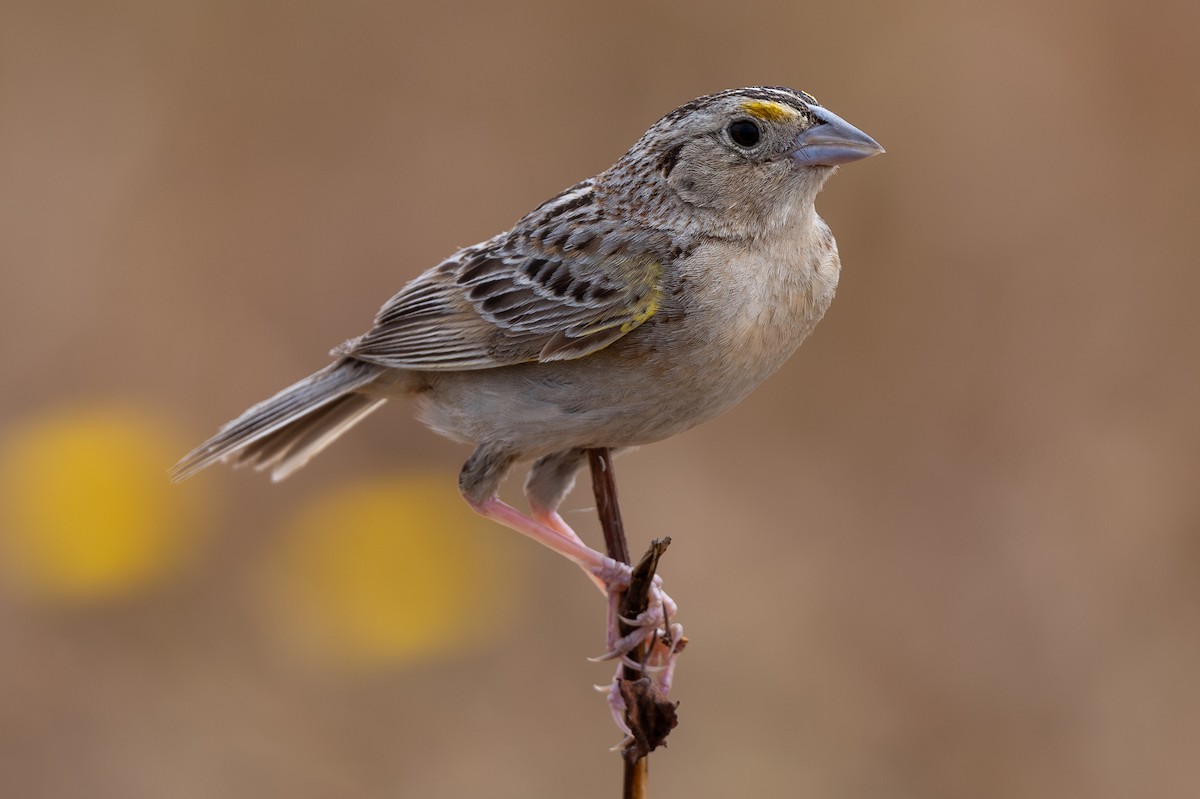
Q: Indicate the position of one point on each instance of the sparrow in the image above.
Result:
(630, 307)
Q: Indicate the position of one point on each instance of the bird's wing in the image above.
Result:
(509, 302)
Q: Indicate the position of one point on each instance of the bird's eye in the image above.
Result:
(744, 133)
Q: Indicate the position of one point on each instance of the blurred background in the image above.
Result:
(953, 549)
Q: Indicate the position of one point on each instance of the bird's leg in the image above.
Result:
(549, 481)
(606, 572)
(611, 576)
(479, 482)
(555, 522)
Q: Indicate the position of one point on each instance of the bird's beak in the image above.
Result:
(832, 141)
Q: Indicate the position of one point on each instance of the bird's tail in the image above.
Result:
(286, 431)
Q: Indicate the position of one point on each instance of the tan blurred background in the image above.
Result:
(952, 550)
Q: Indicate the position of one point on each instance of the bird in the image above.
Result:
(624, 310)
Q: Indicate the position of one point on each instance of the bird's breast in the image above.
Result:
(760, 300)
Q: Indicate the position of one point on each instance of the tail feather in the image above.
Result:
(291, 447)
(292, 426)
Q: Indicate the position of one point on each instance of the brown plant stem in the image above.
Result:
(604, 486)
(635, 600)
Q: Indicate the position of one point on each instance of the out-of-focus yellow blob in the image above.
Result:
(86, 510)
(392, 570)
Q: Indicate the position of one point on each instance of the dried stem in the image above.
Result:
(604, 486)
(634, 602)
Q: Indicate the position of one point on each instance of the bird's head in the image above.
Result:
(736, 162)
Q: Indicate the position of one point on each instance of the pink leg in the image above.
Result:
(551, 519)
(611, 577)
(603, 569)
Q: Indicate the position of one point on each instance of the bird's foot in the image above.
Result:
(639, 706)
(625, 635)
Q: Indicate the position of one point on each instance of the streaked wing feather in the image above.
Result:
(504, 303)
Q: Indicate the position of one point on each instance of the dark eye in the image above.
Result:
(744, 133)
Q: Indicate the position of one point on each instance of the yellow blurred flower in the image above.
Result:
(86, 510)
(399, 568)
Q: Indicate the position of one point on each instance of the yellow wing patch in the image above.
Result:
(769, 111)
(650, 308)
(650, 278)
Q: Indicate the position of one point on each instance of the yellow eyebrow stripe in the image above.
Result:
(769, 111)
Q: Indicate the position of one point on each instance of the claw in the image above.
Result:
(616, 705)
(624, 646)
